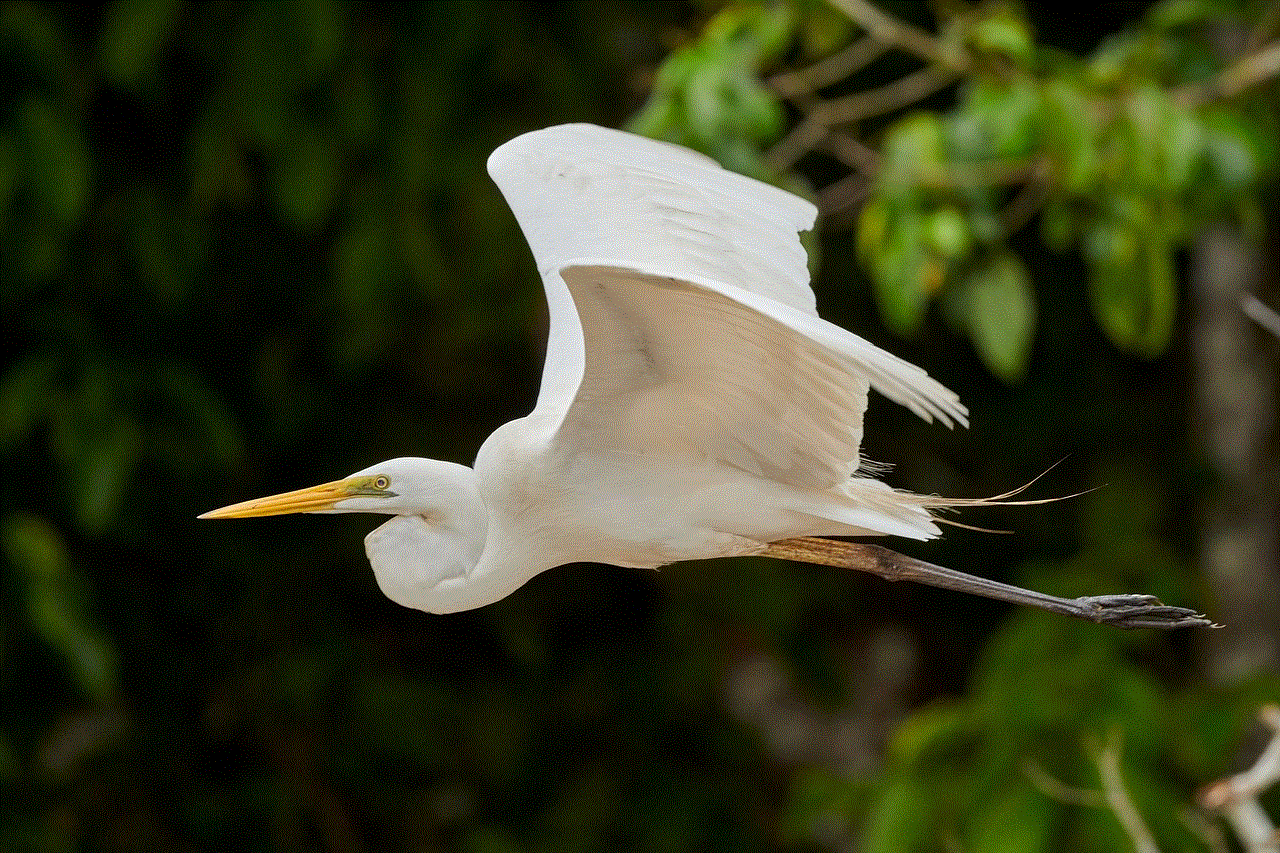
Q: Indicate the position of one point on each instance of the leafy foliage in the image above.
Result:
(1124, 155)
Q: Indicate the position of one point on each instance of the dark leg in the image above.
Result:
(1123, 611)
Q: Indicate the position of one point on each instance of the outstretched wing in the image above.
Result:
(682, 321)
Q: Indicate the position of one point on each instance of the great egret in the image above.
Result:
(693, 405)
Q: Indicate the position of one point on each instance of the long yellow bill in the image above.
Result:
(313, 499)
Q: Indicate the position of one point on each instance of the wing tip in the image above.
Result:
(583, 138)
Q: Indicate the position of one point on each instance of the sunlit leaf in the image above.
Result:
(1066, 123)
(823, 29)
(1002, 314)
(1238, 148)
(947, 232)
(1004, 33)
(913, 151)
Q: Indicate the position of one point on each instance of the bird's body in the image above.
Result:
(693, 405)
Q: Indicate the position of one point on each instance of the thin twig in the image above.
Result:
(889, 30)
(845, 193)
(1027, 202)
(902, 92)
(1262, 314)
(1247, 71)
(1205, 829)
(1236, 798)
(850, 151)
(1061, 791)
(831, 69)
(1108, 761)
(802, 139)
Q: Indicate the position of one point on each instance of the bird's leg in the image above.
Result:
(1123, 611)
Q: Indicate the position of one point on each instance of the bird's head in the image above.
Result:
(424, 555)
(406, 486)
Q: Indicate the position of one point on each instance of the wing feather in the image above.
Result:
(585, 191)
(682, 321)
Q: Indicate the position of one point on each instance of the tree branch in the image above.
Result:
(1262, 314)
(906, 90)
(1108, 762)
(834, 68)
(889, 30)
(1236, 798)
(1247, 71)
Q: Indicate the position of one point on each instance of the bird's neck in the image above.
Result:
(426, 560)
(454, 556)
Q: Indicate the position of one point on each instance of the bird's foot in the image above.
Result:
(1140, 611)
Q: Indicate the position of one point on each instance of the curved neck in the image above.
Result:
(446, 554)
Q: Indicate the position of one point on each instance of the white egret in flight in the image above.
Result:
(693, 404)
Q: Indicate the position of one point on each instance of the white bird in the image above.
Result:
(693, 404)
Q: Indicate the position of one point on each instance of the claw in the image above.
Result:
(1142, 611)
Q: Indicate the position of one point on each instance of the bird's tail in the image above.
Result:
(869, 506)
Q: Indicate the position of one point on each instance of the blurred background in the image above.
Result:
(247, 247)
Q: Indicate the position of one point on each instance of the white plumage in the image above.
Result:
(693, 404)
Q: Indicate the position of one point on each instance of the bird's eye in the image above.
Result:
(381, 482)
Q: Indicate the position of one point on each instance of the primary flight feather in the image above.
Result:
(693, 404)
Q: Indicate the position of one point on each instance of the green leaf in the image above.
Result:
(54, 608)
(305, 183)
(1019, 820)
(903, 272)
(1171, 14)
(200, 416)
(1165, 142)
(1058, 226)
(815, 798)
(57, 159)
(996, 119)
(1002, 314)
(1238, 149)
(1004, 33)
(927, 729)
(947, 232)
(101, 477)
(132, 36)
(896, 822)
(8, 173)
(913, 151)
(1133, 285)
(1066, 131)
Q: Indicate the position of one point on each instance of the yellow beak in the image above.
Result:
(314, 499)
